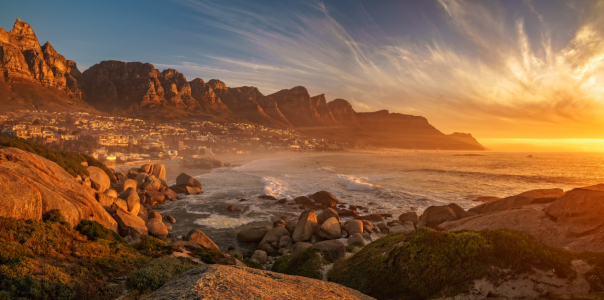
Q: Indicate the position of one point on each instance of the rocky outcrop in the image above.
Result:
(301, 110)
(466, 138)
(47, 186)
(247, 283)
(572, 221)
(28, 69)
(343, 113)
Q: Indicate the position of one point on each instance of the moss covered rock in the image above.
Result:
(428, 263)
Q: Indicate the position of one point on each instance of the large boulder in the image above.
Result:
(159, 171)
(409, 216)
(197, 236)
(578, 217)
(325, 198)
(130, 183)
(130, 224)
(186, 180)
(152, 183)
(99, 177)
(334, 249)
(526, 198)
(155, 196)
(300, 247)
(306, 226)
(248, 283)
(42, 186)
(157, 228)
(330, 229)
(132, 199)
(303, 200)
(253, 235)
(270, 242)
(326, 214)
(434, 215)
(355, 226)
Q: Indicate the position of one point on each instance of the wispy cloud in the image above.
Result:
(503, 81)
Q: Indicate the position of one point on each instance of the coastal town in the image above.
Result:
(112, 139)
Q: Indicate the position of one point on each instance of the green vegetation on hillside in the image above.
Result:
(49, 260)
(70, 161)
(429, 264)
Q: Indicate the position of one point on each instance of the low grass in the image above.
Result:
(210, 256)
(158, 272)
(431, 264)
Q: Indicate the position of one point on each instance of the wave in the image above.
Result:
(355, 184)
(272, 186)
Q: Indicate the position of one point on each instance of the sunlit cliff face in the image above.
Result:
(482, 67)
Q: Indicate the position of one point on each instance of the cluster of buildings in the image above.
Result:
(130, 139)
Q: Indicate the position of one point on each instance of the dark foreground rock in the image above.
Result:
(228, 282)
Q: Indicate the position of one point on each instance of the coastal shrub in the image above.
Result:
(281, 264)
(94, 230)
(252, 264)
(430, 264)
(211, 256)
(307, 264)
(158, 272)
(49, 260)
(54, 215)
(70, 161)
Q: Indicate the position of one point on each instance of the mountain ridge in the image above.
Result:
(136, 88)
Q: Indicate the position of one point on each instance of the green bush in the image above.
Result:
(210, 256)
(428, 263)
(281, 264)
(158, 272)
(252, 264)
(94, 231)
(307, 264)
(13, 252)
(55, 216)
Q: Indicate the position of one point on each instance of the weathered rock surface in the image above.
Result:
(247, 283)
(409, 216)
(270, 242)
(184, 179)
(326, 214)
(129, 224)
(435, 215)
(334, 249)
(197, 236)
(46, 186)
(253, 235)
(325, 198)
(157, 228)
(99, 176)
(132, 199)
(330, 229)
(355, 226)
(306, 226)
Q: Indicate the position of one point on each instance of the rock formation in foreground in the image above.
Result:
(230, 283)
(32, 186)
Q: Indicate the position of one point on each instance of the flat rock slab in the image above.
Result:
(229, 282)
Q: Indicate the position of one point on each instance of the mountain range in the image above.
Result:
(37, 77)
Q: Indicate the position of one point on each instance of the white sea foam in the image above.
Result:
(355, 184)
(273, 186)
(217, 221)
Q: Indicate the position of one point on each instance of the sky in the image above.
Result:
(521, 70)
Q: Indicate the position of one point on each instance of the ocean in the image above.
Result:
(385, 182)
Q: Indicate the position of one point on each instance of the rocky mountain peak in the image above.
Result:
(24, 34)
(217, 85)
